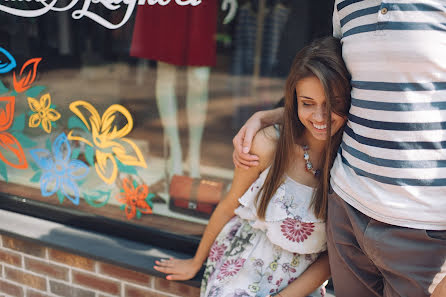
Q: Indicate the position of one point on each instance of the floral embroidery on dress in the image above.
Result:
(286, 268)
(215, 291)
(239, 293)
(217, 251)
(296, 230)
(230, 268)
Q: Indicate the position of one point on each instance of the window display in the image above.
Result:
(126, 111)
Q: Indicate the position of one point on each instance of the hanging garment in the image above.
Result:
(174, 34)
(274, 23)
(244, 41)
(246, 34)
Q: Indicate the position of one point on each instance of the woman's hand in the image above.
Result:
(177, 269)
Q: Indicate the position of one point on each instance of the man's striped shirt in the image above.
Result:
(392, 162)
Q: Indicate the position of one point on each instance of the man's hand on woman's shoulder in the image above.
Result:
(244, 138)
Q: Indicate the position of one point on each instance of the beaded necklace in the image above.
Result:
(308, 164)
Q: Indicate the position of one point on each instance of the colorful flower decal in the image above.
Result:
(136, 198)
(295, 230)
(107, 140)
(7, 64)
(60, 172)
(27, 75)
(8, 143)
(43, 113)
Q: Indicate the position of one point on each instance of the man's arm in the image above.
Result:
(243, 140)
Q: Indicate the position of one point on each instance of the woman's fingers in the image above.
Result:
(166, 270)
(165, 263)
(176, 269)
(177, 277)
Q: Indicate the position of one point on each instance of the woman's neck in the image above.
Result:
(315, 145)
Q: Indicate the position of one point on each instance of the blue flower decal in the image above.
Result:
(9, 64)
(59, 171)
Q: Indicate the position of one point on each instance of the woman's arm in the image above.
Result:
(178, 269)
(310, 279)
(242, 156)
(440, 290)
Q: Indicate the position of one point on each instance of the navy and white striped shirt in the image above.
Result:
(392, 161)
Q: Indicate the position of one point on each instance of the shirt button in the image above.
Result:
(384, 10)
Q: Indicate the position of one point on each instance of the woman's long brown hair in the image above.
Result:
(322, 59)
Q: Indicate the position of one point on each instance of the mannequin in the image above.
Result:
(180, 36)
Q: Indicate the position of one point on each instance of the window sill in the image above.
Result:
(114, 250)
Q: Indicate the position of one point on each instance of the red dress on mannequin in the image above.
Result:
(174, 34)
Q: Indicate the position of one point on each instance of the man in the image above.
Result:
(386, 224)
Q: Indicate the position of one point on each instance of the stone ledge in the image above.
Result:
(114, 250)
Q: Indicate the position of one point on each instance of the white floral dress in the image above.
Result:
(253, 257)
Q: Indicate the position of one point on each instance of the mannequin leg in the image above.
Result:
(196, 105)
(167, 107)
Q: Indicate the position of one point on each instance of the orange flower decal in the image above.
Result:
(8, 143)
(134, 198)
(6, 114)
(27, 75)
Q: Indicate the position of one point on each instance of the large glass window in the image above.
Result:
(128, 112)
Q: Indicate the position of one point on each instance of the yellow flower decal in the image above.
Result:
(44, 114)
(273, 266)
(107, 139)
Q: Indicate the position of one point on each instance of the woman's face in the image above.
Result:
(312, 111)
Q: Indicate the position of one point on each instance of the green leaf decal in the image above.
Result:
(149, 199)
(19, 123)
(4, 171)
(125, 169)
(89, 155)
(24, 140)
(3, 88)
(34, 91)
(98, 198)
(36, 177)
(60, 196)
(75, 153)
(33, 166)
(48, 144)
(80, 183)
(75, 122)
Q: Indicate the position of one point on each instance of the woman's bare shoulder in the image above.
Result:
(264, 145)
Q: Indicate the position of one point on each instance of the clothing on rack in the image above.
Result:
(246, 34)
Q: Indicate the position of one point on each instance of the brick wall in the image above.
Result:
(31, 270)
